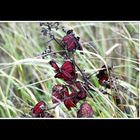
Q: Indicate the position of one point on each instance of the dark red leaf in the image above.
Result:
(78, 91)
(82, 93)
(85, 111)
(71, 43)
(59, 91)
(103, 77)
(66, 72)
(38, 110)
(54, 65)
(69, 103)
(57, 96)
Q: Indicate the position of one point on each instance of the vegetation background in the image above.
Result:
(26, 80)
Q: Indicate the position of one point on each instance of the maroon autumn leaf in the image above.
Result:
(79, 90)
(69, 102)
(82, 93)
(39, 110)
(85, 111)
(103, 77)
(59, 91)
(66, 72)
(55, 66)
(71, 42)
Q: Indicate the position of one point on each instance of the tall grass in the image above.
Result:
(25, 79)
